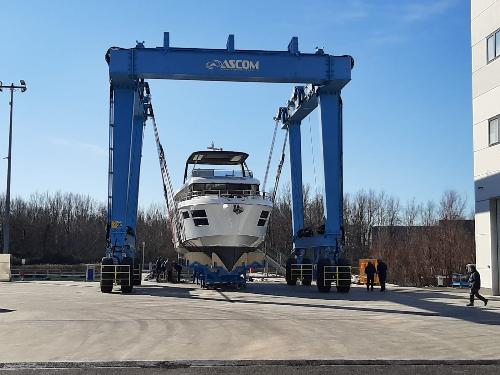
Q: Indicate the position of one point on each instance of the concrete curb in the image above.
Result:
(241, 363)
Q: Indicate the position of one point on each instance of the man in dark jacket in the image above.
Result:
(382, 274)
(168, 266)
(475, 285)
(178, 270)
(159, 262)
(370, 275)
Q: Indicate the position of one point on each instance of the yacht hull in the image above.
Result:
(228, 228)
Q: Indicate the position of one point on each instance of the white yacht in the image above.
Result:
(222, 214)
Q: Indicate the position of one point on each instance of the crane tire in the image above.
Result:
(288, 276)
(323, 286)
(344, 270)
(306, 280)
(127, 282)
(107, 279)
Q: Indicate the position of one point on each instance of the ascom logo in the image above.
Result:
(233, 65)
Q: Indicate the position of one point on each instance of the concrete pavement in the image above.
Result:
(73, 321)
(254, 368)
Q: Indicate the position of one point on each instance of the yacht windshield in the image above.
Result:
(221, 189)
(220, 173)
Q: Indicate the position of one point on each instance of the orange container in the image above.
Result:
(362, 275)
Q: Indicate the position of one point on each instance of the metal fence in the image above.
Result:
(118, 271)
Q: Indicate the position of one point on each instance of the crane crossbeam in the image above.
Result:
(228, 64)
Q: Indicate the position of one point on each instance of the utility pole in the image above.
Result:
(6, 220)
(143, 246)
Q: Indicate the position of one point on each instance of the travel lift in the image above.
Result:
(314, 252)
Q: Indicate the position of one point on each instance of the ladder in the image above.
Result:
(274, 259)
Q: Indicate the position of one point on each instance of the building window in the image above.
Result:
(493, 46)
(494, 131)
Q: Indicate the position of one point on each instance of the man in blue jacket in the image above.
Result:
(475, 285)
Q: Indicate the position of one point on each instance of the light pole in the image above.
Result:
(143, 246)
(6, 220)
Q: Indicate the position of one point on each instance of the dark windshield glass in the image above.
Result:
(216, 188)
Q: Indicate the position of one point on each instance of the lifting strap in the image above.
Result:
(168, 190)
(280, 167)
(264, 184)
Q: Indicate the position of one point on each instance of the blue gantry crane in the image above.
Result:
(317, 251)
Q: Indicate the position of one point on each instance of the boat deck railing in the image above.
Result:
(223, 194)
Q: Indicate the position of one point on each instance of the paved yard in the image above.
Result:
(73, 321)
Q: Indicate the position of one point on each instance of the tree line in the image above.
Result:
(417, 240)
(68, 228)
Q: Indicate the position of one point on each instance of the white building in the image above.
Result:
(485, 40)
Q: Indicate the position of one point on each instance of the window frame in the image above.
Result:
(496, 54)
(497, 117)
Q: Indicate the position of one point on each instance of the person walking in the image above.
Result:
(370, 276)
(382, 274)
(475, 285)
(169, 269)
(178, 270)
(159, 262)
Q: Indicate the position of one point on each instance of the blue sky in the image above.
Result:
(407, 110)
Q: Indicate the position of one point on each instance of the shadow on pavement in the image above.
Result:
(431, 303)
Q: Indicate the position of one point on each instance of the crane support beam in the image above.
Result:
(296, 177)
(228, 64)
(127, 133)
(331, 148)
(303, 101)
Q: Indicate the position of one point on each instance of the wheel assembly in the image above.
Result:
(324, 286)
(344, 276)
(126, 275)
(107, 275)
(290, 279)
(137, 272)
(307, 272)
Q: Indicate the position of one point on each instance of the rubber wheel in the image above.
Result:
(323, 286)
(106, 278)
(307, 280)
(288, 276)
(344, 283)
(124, 282)
(137, 272)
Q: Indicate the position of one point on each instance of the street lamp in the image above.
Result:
(6, 221)
(143, 246)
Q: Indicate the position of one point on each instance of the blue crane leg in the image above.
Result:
(135, 169)
(331, 141)
(124, 105)
(296, 177)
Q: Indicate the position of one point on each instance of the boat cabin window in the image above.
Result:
(216, 188)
